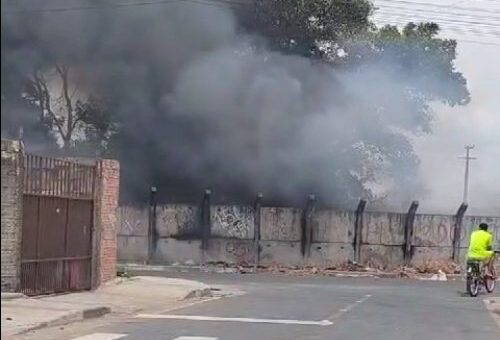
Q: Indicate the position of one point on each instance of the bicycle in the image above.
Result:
(477, 277)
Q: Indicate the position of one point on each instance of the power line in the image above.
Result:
(446, 29)
(409, 13)
(439, 12)
(460, 38)
(449, 26)
(460, 33)
(470, 27)
(443, 7)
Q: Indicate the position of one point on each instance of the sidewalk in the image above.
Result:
(123, 296)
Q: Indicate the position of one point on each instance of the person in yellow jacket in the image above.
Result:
(481, 248)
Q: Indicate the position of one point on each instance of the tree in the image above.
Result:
(57, 112)
(74, 118)
(99, 125)
(341, 34)
(311, 28)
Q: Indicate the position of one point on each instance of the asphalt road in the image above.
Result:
(286, 307)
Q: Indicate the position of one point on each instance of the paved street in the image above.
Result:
(285, 307)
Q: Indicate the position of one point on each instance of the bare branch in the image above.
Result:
(45, 102)
(63, 73)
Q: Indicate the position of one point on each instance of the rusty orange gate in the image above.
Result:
(58, 208)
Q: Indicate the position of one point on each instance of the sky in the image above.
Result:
(476, 26)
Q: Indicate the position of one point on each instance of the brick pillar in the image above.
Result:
(12, 202)
(105, 238)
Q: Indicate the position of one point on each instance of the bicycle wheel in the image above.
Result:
(489, 284)
(472, 286)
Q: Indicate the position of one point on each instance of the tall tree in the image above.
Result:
(341, 34)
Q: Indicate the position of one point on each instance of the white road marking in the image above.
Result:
(195, 338)
(246, 320)
(101, 336)
(348, 308)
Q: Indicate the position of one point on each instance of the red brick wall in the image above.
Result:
(12, 204)
(107, 204)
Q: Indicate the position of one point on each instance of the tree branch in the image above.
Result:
(63, 73)
(45, 102)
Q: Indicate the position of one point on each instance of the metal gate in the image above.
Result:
(58, 208)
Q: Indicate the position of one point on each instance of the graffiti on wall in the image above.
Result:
(133, 221)
(383, 228)
(177, 220)
(433, 231)
(233, 222)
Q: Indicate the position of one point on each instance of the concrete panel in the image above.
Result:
(133, 220)
(178, 252)
(132, 249)
(433, 230)
(233, 222)
(281, 224)
(330, 255)
(381, 257)
(231, 251)
(471, 223)
(383, 228)
(333, 226)
(178, 220)
(429, 256)
(286, 254)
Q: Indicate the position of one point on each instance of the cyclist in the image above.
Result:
(480, 248)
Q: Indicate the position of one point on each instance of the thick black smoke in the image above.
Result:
(200, 105)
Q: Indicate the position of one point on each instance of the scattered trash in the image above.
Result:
(440, 276)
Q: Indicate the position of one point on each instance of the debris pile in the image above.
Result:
(437, 266)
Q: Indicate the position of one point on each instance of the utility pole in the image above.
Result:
(467, 158)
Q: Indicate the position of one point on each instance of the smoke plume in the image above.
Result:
(201, 104)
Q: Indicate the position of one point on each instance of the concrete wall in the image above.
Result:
(283, 241)
(332, 238)
(382, 240)
(11, 214)
(281, 235)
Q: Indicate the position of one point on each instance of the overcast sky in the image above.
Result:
(476, 26)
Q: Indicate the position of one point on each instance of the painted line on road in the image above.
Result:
(349, 307)
(245, 320)
(101, 336)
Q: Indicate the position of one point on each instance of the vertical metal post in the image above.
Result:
(457, 232)
(152, 233)
(307, 232)
(256, 235)
(358, 230)
(205, 223)
(409, 219)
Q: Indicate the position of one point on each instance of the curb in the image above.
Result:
(71, 317)
(13, 296)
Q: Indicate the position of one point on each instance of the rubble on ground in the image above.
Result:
(436, 266)
(438, 269)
